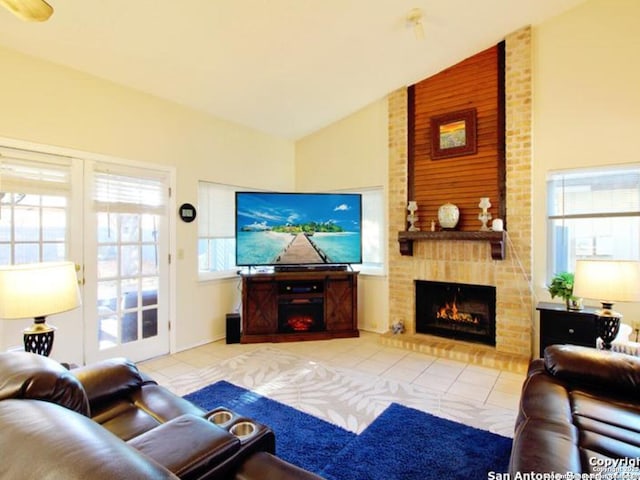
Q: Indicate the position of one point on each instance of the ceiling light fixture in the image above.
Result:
(414, 20)
(29, 10)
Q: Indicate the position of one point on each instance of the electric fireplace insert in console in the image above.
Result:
(301, 306)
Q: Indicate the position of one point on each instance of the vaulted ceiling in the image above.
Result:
(284, 67)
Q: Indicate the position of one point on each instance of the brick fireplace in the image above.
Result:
(464, 261)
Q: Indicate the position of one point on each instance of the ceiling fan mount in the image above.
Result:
(29, 10)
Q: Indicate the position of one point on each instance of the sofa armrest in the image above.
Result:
(600, 369)
(108, 379)
(189, 446)
(26, 375)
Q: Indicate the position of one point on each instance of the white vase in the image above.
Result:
(448, 216)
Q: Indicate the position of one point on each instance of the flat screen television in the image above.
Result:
(298, 229)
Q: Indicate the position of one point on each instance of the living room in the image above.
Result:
(106, 119)
(582, 102)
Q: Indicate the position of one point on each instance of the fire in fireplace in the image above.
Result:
(301, 307)
(300, 315)
(456, 310)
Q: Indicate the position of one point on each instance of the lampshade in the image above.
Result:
(607, 280)
(38, 289)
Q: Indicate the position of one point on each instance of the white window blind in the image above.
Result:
(26, 172)
(35, 192)
(592, 214)
(121, 189)
(217, 204)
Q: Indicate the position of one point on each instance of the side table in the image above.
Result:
(561, 326)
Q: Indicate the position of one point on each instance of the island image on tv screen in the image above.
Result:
(298, 228)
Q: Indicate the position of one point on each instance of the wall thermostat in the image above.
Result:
(187, 212)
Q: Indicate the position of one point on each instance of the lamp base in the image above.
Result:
(38, 338)
(607, 328)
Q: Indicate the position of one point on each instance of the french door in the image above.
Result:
(111, 220)
(127, 262)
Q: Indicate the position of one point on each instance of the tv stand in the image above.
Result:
(299, 305)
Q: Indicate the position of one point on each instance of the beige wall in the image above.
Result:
(52, 105)
(586, 79)
(351, 153)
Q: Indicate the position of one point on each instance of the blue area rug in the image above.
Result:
(401, 444)
(301, 439)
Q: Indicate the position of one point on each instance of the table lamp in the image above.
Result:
(36, 290)
(608, 281)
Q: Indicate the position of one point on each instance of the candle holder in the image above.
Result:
(484, 216)
(412, 218)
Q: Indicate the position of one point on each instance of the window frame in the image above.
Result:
(553, 217)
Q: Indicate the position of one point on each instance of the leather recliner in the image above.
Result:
(579, 414)
(110, 421)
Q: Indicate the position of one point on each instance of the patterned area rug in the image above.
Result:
(401, 443)
(339, 396)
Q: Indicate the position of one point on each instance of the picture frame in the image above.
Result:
(454, 134)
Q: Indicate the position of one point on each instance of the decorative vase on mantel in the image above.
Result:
(448, 216)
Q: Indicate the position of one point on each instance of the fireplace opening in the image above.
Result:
(300, 315)
(456, 310)
(301, 307)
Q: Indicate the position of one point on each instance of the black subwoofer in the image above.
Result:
(233, 328)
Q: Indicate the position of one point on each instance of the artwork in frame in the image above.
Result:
(453, 134)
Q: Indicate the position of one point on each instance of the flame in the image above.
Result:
(300, 323)
(449, 311)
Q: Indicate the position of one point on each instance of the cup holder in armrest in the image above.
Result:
(220, 417)
(243, 429)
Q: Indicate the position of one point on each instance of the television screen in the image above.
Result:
(298, 228)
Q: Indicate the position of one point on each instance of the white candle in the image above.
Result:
(497, 225)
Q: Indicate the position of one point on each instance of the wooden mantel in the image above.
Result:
(496, 239)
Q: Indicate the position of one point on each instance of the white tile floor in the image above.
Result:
(324, 377)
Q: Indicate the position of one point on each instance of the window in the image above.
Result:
(593, 214)
(216, 229)
(373, 228)
(34, 199)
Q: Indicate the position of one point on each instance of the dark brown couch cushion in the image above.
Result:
(43, 441)
(31, 376)
(599, 369)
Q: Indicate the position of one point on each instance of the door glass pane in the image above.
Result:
(27, 224)
(54, 223)
(27, 253)
(107, 261)
(130, 228)
(149, 259)
(107, 227)
(5, 254)
(150, 228)
(53, 252)
(130, 260)
(5, 223)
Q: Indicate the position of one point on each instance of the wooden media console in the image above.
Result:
(304, 305)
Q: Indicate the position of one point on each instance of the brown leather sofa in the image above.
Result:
(579, 413)
(110, 421)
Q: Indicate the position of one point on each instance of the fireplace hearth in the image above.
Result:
(456, 310)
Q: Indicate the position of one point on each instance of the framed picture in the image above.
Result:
(453, 134)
